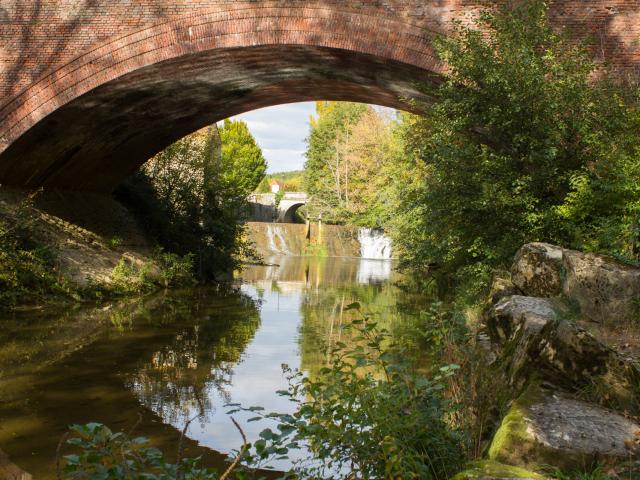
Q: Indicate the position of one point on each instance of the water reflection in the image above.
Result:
(177, 355)
(171, 352)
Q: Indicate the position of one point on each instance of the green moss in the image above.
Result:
(489, 468)
(512, 440)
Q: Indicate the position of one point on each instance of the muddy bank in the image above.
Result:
(88, 234)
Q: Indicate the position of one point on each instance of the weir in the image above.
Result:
(316, 239)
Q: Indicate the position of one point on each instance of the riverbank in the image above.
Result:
(73, 246)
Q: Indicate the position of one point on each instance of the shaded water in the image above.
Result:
(170, 356)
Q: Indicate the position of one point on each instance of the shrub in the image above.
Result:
(27, 265)
(367, 415)
(106, 455)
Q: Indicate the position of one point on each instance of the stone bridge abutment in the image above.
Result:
(90, 89)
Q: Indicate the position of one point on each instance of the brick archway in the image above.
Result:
(92, 88)
(94, 120)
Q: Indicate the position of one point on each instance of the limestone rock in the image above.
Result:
(605, 289)
(501, 287)
(490, 470)
(517, 314)
(537, 270)
(532, 339)
(515, 325)
(546, 427)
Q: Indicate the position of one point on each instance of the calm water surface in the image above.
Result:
(173, 356)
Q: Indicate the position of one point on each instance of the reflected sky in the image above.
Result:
(285, 290)
(170, 356)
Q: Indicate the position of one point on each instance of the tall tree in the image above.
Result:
(516, 120)
(193, 195)
(326, 170)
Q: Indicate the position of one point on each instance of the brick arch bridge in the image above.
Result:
(92, 88)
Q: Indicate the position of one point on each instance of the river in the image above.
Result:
(179, 354)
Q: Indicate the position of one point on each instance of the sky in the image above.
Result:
(281, 132)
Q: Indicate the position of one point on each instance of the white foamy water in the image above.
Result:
(374, 244)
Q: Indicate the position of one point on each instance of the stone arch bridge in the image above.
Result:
(90, 89)
(266, 208)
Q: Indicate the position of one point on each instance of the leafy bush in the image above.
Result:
(192, 197)
(519, 145)
(27, 265)
(175, 270)
(103, 454)
(368, 415)
(130, 278)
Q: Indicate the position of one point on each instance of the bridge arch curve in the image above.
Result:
(92, 88)
(287, 212)
(89, 123)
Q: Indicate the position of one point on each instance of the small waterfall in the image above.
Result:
(276, 240)
(283, 241)
(374, 244)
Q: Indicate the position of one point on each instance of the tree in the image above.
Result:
(351, 150)
(326, 170)
(494, 159)
(192, 197)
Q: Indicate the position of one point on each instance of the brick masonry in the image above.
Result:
(130, 76)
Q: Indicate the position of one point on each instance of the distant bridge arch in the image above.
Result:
(265, 207)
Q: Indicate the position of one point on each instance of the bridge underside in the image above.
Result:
(98, 139)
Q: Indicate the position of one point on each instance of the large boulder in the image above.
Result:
(490, 470)
(546, 427)
(604, 288)
(532, 339)
(515, 325)
(537, 270)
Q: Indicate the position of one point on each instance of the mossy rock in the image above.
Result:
(489, 470)
(534, 338)
(546, 428)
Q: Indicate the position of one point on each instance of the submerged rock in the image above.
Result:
(490, 470)
(546, 427)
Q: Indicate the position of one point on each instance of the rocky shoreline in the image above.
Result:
(574, 401)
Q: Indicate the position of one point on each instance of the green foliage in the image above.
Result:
(597, 474)
(27, 265)
(103, 454)
(192, 197)
(519, 146)
(114, 242)
(603, 206)
(242, 165)
(175, 270)
(135, 277)
(292, 181)
(129, 278)
(325, 168)
(368, 414)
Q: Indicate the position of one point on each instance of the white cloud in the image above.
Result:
(281, 132)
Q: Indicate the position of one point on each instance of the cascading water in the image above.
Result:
(276, 240)
(374, 244)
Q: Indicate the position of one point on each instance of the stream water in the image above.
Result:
(168, 357)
